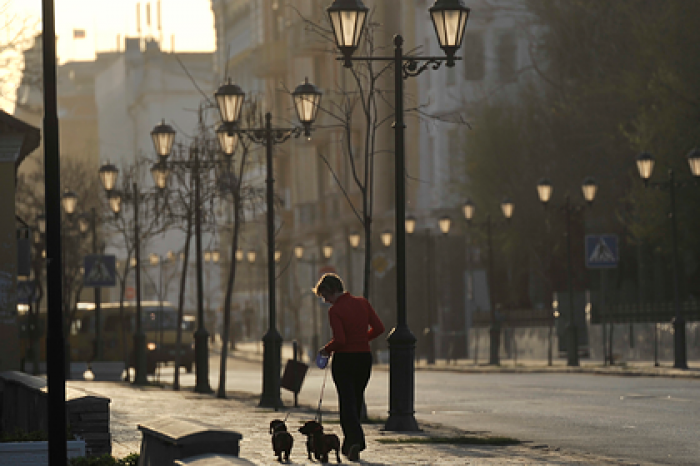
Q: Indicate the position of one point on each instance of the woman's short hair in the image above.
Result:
(329, 282)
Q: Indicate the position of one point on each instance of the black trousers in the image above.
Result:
(351, 373)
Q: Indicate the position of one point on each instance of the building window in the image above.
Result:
(474, 57)
(507, 58)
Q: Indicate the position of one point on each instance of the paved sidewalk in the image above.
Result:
(132, 405)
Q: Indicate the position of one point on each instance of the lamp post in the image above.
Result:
(299, 254)
(163, 136)
(469, 209)
(211, 257)
(589, 189)
(69, 202)
(229, 99)
(55, 356)
(645, 165)
(89, 222)
(108, 174)
(347, 18)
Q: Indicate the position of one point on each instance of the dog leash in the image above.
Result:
(323, 386)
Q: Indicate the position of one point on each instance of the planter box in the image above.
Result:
(107, 370)
(35, 453)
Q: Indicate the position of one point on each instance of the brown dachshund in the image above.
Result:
(282, 441)
(319, 443)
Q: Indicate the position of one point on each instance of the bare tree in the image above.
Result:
(78, 177)
(18, 35)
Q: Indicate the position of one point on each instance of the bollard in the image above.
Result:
(295, 355)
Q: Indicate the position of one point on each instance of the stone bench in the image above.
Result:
(166, 440)
(24, 405)
(213, 460)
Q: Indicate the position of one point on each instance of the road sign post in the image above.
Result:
(602, 252)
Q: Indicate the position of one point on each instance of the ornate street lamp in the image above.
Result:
(386, 238)
(251, 256)
(444, 223)
(645, 165)
(229, 101)
(160, 173)
(163, 136)
(108, 176)
(298, 251)
(589, 189)
(84, 222)
(507, 208)
(115, 202)
(410, 224)
(354, 239)
(69, 200)
(347, 18)
(327, 250)
(307, 100)
(228, 140)
(450, 21)
(468, 210)
(544, 190)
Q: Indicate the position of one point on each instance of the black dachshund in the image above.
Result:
(319, 443)
(282, 441)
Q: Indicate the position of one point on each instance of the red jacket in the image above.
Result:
(354, 324)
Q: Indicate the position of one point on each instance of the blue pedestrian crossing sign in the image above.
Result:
(100, 271)
(602, 251)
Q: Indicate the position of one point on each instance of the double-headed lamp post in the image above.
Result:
(645, 165)
(347, 18)
(327, 251)
(229, 99)
(108, 174)
(469, 208)
(163, 136)
(589, 188)
(430, 271)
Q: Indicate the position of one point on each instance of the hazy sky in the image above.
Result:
(190, 21)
